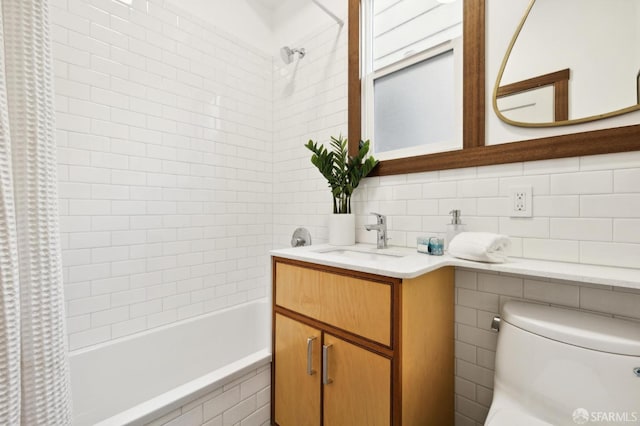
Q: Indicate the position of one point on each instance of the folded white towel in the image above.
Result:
(481, 246)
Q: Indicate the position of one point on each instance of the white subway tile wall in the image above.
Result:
(243, 402)
(579, 216)
(310, 102)
(165, 166)
(480, 296)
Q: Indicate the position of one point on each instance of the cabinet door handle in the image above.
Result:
(325, 365)
(310, 370)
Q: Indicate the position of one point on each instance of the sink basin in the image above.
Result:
(365, 253)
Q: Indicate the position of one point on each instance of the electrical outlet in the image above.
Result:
(520, 201)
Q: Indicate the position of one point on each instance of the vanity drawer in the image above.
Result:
(360, 306)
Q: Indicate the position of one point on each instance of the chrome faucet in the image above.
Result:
(381, 227)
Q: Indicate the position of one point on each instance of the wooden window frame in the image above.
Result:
(560, 82)
(474, 151)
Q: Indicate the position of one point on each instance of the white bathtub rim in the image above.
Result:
(163, 327)
(166, 402)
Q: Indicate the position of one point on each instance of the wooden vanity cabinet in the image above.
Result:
(352, 348)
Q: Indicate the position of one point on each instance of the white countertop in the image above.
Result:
(413, 264)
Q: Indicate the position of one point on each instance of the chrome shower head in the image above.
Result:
(286, 53)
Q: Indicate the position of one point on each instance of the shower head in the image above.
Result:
(286, 53)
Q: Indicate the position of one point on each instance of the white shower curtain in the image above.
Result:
(34, 379)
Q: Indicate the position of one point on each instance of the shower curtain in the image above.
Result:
(34, 379)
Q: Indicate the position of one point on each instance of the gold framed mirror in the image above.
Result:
(548, 79)
(474, 151)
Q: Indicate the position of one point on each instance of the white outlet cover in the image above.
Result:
(520, 201)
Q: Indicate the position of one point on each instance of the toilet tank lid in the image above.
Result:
(582, 329)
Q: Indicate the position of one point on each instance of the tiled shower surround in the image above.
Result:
(182, 163)
(164, 135)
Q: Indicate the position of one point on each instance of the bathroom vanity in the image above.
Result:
(356, 348)
(365, 335)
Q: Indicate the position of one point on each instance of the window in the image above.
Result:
(412, 69)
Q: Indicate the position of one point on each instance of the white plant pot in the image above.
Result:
(342, 229)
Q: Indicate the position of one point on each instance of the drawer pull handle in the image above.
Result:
(310, 370)
(325, 365)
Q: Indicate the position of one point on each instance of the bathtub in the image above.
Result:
(134, 380)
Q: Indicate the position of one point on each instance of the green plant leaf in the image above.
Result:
(342, 172)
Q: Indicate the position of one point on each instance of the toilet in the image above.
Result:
(560, 367)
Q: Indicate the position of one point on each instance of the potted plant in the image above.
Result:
(343, 174)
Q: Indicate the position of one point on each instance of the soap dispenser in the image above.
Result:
(455, 227)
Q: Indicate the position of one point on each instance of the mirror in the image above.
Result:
(584, 141)
(571, 61)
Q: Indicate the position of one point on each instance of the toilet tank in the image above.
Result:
(568, 367)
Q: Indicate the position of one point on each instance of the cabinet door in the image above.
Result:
(359, 392)
(297, 387)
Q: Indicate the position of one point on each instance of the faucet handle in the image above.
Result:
(380, 218)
